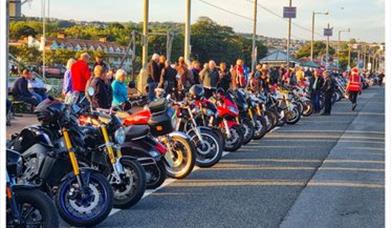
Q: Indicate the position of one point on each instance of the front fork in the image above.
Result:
(72, 156)
(228, 132)
(117, 167)
(196, 129)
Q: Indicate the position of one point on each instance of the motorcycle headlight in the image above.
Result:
(233, 110)
(154, 154)
(119, 135)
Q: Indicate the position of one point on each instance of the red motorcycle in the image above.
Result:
(227, 114)
(161, 119)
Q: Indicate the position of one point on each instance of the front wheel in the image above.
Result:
(209, 150)
(234, 142)
(88, 205)
(36, 209)
(180, 157)
(260, 127)
(294, 116)
(129, 190)
(248, 130)
(308, 108)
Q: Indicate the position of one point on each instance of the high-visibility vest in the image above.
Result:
(354, 84)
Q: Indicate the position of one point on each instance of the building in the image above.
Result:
(114, 53)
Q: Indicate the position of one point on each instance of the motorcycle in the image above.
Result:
(208, 144)
(50, 151)
(227, 112)
(243, 118)
(161, 119)
(124, 173)
(27, 206)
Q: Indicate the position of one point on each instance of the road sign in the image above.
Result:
(289, 12)
(328, 32)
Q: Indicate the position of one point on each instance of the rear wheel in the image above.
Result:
(156, 175)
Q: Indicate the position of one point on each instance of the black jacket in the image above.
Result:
(154, 72)
(328, 86)
(318, 86)
(20, 88)
(224, 81)
(103, 94)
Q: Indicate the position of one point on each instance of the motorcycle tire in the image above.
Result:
(159, 173)
(210, 153)
(79, 218)
(308, 108)
(280, 120)
(248, 130)
(34, 199)
(237, 141)
(188, 151)
(138, 185)
(261, 127)
(295, 118)
(273, 118)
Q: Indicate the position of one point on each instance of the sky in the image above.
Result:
(365, 18)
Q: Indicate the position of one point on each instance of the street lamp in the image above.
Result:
(313, 30)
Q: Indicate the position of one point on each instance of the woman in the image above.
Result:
(120, 91)
(102, 91)
(67, 84)
(354, 87)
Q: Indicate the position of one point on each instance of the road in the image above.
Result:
(325, 171)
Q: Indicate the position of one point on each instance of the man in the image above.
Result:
(99, 62)
(154, 72)
(102, 97)
(80, 74)
(168, 78)
(316, 83)
(224, 77)
(21, 92)
(354, 86)
(209, 78)
(328, 89)
(381, 77)
(274, 75)
(195, 70)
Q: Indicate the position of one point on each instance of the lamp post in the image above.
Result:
(187, 32)
(145, 35)
(313, 31)
(339, 41)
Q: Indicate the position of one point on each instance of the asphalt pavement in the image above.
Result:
(325, 171)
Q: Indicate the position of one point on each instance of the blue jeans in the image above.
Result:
(151, 91)
(315, 98)
(38, 97)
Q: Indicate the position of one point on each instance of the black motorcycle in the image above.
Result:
(27, 206)
(50, 151)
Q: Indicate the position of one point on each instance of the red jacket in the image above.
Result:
(80, 74)
(354, 84)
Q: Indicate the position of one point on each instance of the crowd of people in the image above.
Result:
(110, 89)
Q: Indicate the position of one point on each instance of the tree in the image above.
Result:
(28, 55)
(319, 50)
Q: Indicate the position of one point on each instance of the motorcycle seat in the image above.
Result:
(135, 132)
